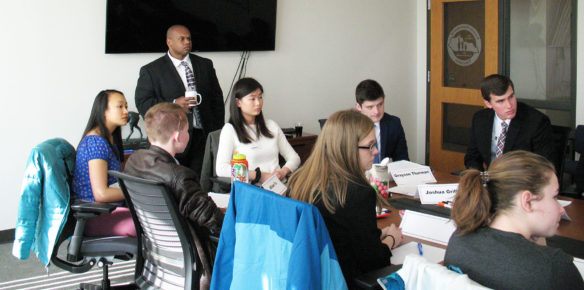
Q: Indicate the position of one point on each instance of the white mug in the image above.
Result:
(194, 94)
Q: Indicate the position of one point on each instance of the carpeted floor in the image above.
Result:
(31, 273)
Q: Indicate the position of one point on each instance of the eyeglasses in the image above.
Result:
(370, 147)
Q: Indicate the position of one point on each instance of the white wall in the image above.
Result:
(53, 64)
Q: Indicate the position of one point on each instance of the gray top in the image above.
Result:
(504, 260)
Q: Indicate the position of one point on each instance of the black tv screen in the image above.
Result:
(134, 26)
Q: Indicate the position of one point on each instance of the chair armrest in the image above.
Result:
(82, 212)
(93, 207)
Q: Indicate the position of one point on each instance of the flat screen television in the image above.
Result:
(137, 26)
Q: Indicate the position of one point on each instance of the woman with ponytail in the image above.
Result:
(500, 214)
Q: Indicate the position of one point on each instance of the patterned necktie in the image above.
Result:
(191, 83)
(377, 156)
(501, 140)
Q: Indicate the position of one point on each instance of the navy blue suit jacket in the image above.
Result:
(393, 139)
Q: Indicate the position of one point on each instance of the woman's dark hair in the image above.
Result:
(481, 196)
(242, 88)
(97, 120)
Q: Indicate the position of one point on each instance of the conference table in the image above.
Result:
(573, 229)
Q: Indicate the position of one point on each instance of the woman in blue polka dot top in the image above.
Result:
(100, 150)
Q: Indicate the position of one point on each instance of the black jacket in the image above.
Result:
(530, 130)
(160, 82)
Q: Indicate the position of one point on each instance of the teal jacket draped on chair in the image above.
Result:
(44, 201)
(273, 242)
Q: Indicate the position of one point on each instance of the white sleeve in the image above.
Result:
(286, 150)
(225, 151)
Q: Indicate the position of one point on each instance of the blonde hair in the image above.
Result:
(334, 161)
(162, 120)
(481, 196)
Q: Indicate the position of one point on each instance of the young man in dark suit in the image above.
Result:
(391, 139)
(168, 79)
(506, 125)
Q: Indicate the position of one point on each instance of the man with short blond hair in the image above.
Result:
(167, 129)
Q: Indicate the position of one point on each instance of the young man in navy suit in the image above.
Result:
(391, 139)
(506, 125)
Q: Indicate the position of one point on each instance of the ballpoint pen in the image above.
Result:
(420, 249)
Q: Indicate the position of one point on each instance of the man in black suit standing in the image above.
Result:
(175, 75)
(506, 126)
(389, 133)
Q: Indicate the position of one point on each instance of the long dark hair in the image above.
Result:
(97, 120)
(242, 88)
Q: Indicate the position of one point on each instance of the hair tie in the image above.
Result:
(485, 178)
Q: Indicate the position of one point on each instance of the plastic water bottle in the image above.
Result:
(239, 168)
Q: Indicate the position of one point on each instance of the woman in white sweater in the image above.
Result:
(248, 133)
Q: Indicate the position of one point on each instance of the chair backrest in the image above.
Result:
(210, 162)
(321, 122)
(281, 244)
(169, 255)
(579, 139)
(560, 137)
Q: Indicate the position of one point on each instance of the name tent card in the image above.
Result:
(409, 176)
(435, 193)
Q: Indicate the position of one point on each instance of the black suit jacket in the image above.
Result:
(160, 82)
(393, 138)
(530, 130)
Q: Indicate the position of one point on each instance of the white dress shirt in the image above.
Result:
(180, 68)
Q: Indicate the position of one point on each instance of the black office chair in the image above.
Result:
(169, 258)
(561, 135)
(209, 179)
(83, 253)
(321, 122)
(576, 167)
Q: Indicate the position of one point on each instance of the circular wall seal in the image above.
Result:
(464, 45)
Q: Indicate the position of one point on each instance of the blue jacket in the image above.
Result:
(272, 242)
(44, 201)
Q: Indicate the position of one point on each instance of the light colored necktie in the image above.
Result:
(191, 83)
(501, 140)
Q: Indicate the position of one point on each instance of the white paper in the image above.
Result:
(579, 264)
(402, 164)
(430, 253)
(427, 227)
(274, 184)
(565, 203)
(410, 190)
(435, 193)
(220, 199)
(413, 176)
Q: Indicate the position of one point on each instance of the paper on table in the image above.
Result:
(410, 190)
(220, 199)
(427, 227)
(565, 203)
(430, 253)
(580, 265)
(401, 164)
